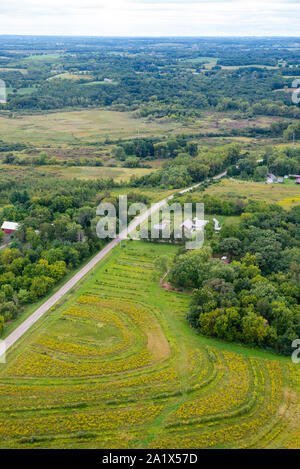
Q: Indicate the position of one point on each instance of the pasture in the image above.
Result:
(96, 125)
(287, 194)
(70, 127)
(90, 172)
(117, 366)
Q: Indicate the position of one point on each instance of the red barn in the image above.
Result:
(10, 227)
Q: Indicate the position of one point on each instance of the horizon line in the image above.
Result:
(151, 37)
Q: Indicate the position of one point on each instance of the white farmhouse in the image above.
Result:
(217, 225)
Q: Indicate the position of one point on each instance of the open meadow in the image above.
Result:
(89, 172)
(287, 195)
(69, 127)
(117, 366)
(94, 125)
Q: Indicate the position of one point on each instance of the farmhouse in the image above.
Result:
(217, 225)
(279, 180)
(271, 178)
(10, 227)
(296, 177)
(194, 225)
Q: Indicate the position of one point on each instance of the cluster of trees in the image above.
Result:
(43, 159)
(255, 298)
(185, 169)
(279, 161)
(57, 233)
(8, 146)
(153, 148)
(216, 205)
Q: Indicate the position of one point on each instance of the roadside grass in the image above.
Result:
(116, 364)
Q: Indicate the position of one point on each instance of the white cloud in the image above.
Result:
(150, 17)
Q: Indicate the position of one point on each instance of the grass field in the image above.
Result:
(65, 128)
(43, 58)
(69, 127)
(90, 172)
(287, 194)
(69, 76)
(117, 366)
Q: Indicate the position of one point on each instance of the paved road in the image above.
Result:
(220, 176)
(31, 320)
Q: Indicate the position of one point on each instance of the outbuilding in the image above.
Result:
(10, 227)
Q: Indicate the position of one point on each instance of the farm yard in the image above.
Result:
(117, 366)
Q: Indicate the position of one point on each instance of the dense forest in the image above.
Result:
(255, 298)
(156, 78)
(57, 233)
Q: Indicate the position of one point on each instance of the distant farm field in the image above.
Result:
(69, 127)
(117, 366)
(94, 125)
(43, 57)
(90, 172)
(287, 194)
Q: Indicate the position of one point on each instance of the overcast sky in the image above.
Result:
(151, 17)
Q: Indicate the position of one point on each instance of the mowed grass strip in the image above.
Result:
(117, 365)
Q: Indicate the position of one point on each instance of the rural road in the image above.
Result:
(31, 320)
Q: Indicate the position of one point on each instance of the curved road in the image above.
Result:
(31, 320)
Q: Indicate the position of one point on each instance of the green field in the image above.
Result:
(117, 366)
(68, 127)
(287, 194)
(94, 125)
(90, 172)
(43, 57)
(69, 76)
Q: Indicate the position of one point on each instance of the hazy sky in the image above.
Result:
(151, 17)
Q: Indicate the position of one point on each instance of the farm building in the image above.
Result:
(194, 225)
(225, 260)
(10, 227)
(271, 178)
(217, 225)
(279, 180)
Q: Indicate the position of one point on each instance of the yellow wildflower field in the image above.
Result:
(116, 365)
